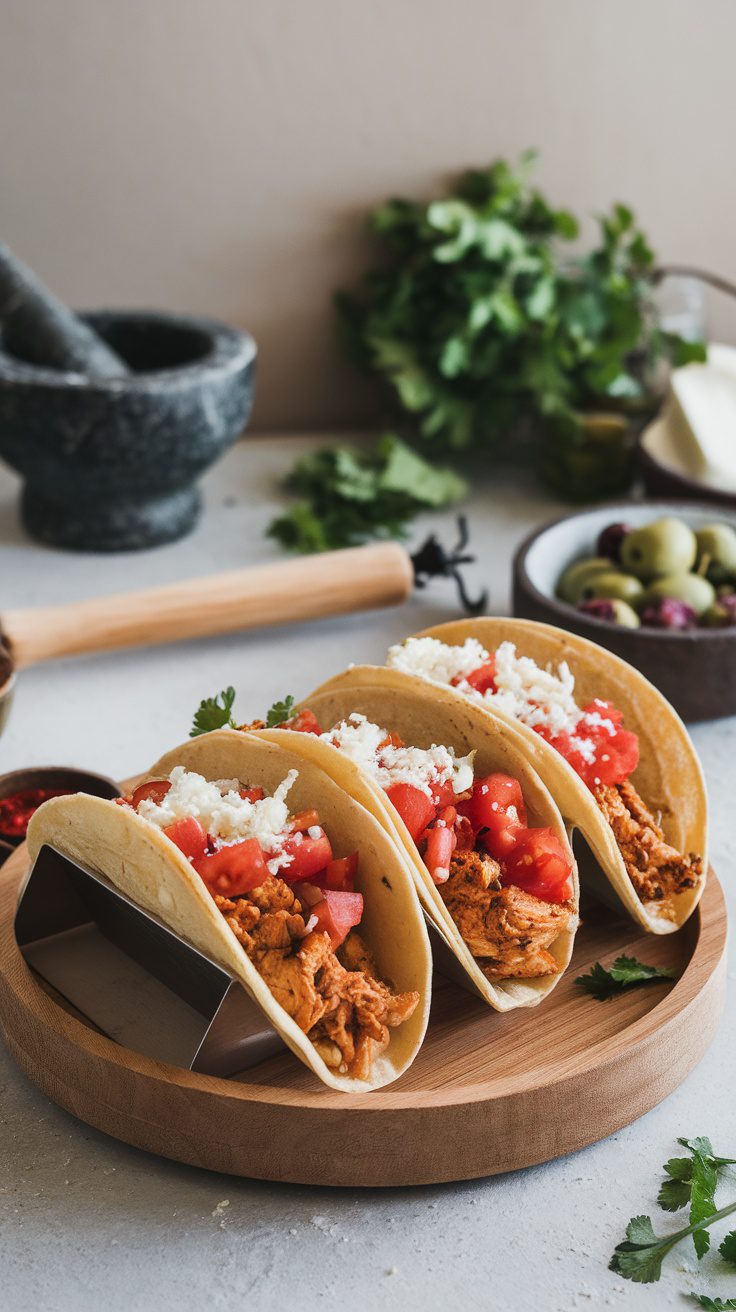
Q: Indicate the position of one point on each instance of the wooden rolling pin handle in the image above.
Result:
(308, 588)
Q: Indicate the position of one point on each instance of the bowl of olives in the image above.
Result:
(654, 582)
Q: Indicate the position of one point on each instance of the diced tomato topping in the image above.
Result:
(337, 914)
(189, 835)
(304, 820)
(304, 722)
(465, 834)
(154, 791)
(539, 864)
(616, 754)
(483, 679)
(443, 794)
(340, 873)
(414, 807)
(392, 740)
(492, 797)
(310, 857)
(252, 794)
(499, 843)
(233, 869)
(441, 843)
(606, 710)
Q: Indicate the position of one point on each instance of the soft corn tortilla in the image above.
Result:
(422, 718)
(669, 776)
(140, 860)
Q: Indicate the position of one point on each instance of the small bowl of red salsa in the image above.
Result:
(23, 791)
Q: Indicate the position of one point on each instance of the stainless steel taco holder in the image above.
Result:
(137, 981)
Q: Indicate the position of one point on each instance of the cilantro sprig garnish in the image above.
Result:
(625, 973)
(689, 1180)
(714, 1304)
(280, 712)
(349, 497)
(214, 713)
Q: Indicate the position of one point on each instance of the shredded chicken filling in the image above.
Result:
(658, 871)
(338, 1001)
(507, 930)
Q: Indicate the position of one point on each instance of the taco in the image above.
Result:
(613, 752)
(237, 845)
(490, 854)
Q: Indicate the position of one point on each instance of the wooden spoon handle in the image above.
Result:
(308, 588)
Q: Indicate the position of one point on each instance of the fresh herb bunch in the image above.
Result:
(476, 321)
(691, 1182)
(348, 497)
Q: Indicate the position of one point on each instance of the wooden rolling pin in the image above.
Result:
(288, 591)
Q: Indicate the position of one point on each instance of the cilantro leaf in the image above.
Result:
(214, 713)
(727, 1248)
(714, 1304)
(639, 1257)
(626, 972)
(279, 712)
(702, 1199)
(349, 497)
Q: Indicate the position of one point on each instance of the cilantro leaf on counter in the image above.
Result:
(349, 497)
(727, 1249)
(626, 972)
(714, 1304)
(279, 712)
(639, 1257)
(214, 713)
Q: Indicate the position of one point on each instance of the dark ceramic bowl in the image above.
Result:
(666, 480)
(696, 670)
(112, 464)
(63, 777)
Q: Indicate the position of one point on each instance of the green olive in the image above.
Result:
(666, 546)
(716, 551)
(614, 585)
(624, 614)
(687, 588)
(572, 582)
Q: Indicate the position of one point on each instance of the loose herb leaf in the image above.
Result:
(626, 972)
(280, 712)
(214, 713)
(639, 1257)
(727, 1249)
(702, 1199)
(349, 497)
(714, 1304)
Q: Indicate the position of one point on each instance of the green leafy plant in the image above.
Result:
(349, 497)
(214, 713)
(477, 320)
(625, 973)
(714, 1304)
(280, 712)
(692, 1181)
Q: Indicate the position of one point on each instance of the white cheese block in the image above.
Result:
(701, 416)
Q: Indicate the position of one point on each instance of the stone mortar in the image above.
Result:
(111, 464)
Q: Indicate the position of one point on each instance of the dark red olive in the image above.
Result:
(610, 539)
(668, 613)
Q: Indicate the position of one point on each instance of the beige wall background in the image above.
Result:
(219, 155)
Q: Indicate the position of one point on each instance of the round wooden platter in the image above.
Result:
(487, 1093)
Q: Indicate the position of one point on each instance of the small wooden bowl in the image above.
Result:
(695, 669)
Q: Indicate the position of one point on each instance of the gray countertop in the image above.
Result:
(88, 1223)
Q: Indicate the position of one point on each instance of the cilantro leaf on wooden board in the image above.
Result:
(626, 972)
(349, 497)
(213, 713)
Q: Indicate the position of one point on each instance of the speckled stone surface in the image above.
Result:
(87, 1223)
(111, 464)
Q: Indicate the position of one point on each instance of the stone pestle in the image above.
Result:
(39, 328)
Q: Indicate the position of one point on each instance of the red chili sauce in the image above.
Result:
(17, 809)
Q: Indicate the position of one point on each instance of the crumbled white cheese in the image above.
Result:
(428, 658)
(539, 698)
(227, 817)
(423, 768)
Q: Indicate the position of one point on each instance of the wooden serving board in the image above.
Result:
(487, 1093)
